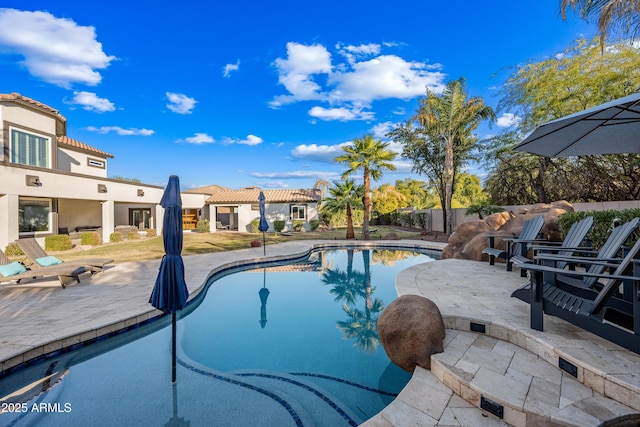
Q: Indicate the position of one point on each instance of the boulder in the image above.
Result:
(411, 329)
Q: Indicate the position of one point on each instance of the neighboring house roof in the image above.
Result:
(251, 194)
(65, 141)
(209, 189)
(32, 102)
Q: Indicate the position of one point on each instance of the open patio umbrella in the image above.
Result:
(170, 291)
(263, 225)
(610, 128)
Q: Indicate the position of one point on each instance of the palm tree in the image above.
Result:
(372, 156)
(621, 16)
(450, 118)
(344, 195)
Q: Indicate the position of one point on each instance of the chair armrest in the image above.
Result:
(546, 269)
(606, 262)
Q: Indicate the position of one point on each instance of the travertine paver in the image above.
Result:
(40, 317)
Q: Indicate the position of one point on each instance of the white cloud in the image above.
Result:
(91, 102)
(250, 140)
(121, 131)
(318, 153)
(179, 103)
(297, 71)
(231, 67)
(298, 175)
(402, 166)
(343, 114)
(351, 85)
(381, 130)
(508, 119)
(198, 139)
(56, 50)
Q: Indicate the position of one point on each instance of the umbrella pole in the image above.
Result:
(173, 348)
(264, 244)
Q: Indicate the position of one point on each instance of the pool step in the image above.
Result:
(517, 386)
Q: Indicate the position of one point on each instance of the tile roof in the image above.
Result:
(32, 102)
(209, 189)
(250, 195)
(72, 143)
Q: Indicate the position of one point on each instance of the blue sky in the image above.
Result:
(260, 93)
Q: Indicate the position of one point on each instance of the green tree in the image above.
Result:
(468, 190)
(439, 138)
(578, 78)
(417, 193)
(387, 199)
(372, 156)
(344, 196)
(615, 17)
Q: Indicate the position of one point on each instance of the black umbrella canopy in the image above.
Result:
(610, 128)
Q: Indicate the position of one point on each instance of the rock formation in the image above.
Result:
(469, 239)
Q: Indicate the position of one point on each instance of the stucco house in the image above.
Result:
(236, 209)
(51, 183)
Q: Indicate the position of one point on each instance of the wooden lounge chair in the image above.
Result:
(596, 263)
(610, 314)
(515, 246)
(65, 273)
(572, 242)
(36, 254)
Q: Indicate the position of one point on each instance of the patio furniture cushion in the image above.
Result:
(12, 269)
(48, 260)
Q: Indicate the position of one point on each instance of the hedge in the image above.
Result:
(59, 242)
(603, 223)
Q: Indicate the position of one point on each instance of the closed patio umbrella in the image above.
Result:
(170, 292)
(263, 225)
(610, 128)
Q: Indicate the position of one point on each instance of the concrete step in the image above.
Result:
(519, 387)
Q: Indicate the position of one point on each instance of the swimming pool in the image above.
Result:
(283, 344)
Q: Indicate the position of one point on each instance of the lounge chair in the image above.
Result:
(596, 263)
(515, 246)
(572, 242)
(219, 226)
(609, 314)
(39, 257)
(16, 271)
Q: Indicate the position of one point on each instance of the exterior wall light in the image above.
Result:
(33, 181)
(102, 188)
(140, 192)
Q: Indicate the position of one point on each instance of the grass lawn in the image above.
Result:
(200, 243)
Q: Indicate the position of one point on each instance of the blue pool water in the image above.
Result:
(293, 344)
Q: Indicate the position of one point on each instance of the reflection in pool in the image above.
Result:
(299, 340)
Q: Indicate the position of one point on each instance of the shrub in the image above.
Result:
(278, 225)
(297, 225)
(115, 237)
(603, 224)
(90, 238)
(255, 243)
(13, 249)
(314, 224)
(254, 225)
(59, 242)
(203, 226)
(151, 232)
(133, 235)
(421, 218)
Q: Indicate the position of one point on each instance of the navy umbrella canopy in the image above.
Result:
(263, 225)
(170, 292)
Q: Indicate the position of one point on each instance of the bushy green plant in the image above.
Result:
(90, 238)
(151, 232)
(115, 237)
(203, 226)
(314, 224)
(278, 225)
(421, 219)
(297, 225)
(254, 225)
(59, 242)
(13, 249)
(133, 235)
(603, 223)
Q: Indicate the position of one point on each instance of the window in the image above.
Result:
(34, 215)
(95, 163)
(299, 212)
(29, 149)
(140, 217)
